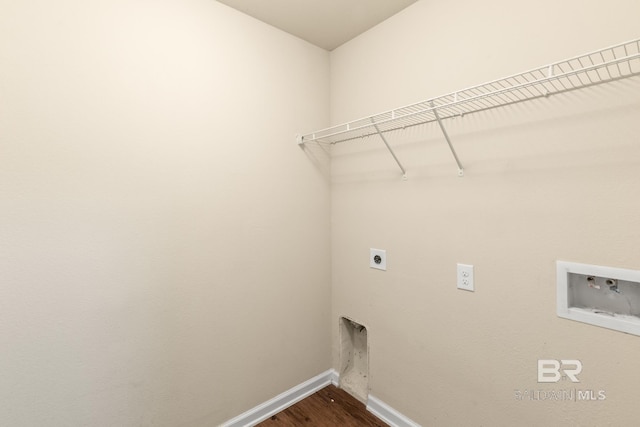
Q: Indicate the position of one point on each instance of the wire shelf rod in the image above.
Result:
(420, 123)
(577, 72)
(475, 99)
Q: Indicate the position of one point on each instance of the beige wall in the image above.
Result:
(164, 255)
(546, 180)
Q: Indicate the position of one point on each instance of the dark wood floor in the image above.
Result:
(329, 407)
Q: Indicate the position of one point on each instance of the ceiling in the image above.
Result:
(324, 23)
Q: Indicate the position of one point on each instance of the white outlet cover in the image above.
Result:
(378, 259)
(465, 277)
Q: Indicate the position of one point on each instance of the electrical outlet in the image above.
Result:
(378, 259)
(465, 277)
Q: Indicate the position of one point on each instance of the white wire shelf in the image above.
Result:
(600, 66)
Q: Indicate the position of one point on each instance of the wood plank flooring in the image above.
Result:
(329, 407)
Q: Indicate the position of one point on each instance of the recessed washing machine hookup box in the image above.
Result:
(602, 296)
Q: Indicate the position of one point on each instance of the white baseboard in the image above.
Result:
(335, 377)
(387, 414)
(307, 388)
(283, 400)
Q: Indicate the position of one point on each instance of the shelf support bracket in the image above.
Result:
(404, 172)
(446, 136)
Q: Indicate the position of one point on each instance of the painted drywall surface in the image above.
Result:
(164, 244)
(547, 180)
